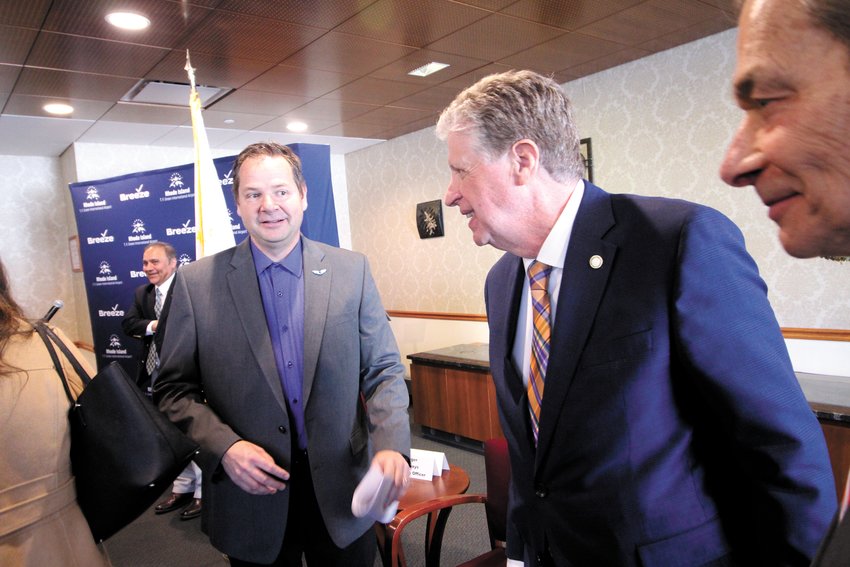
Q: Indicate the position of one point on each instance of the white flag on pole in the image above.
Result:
(212, 221)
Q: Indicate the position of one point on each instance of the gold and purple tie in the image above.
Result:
(538, 279)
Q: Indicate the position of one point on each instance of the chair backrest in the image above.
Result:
(497, 467)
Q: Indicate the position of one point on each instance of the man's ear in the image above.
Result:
(525, 157)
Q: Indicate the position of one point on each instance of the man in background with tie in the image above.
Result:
(146, 321)
(644, 388)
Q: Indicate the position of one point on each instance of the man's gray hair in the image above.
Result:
(502, 109)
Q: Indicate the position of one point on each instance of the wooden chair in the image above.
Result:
(498, 471)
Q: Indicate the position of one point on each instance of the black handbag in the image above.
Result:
(124, 452)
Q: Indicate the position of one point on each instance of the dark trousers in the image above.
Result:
(306, 534)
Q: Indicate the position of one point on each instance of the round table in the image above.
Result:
(452, 482)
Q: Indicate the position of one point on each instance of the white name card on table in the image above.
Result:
(425, 465)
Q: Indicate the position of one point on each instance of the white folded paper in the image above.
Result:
(425, 465)
(370, 495)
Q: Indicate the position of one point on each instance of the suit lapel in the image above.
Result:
(318, 275)
(503, 311)
(245, 294)
(582, 288)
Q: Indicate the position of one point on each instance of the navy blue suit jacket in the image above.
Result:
(673, 431)
(136, 322)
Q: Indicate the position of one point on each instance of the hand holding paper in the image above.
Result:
(370, 497)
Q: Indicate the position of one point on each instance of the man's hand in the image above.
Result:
(393, 466)
(253, 470)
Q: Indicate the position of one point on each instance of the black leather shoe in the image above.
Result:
(193, 510)
(173, 502)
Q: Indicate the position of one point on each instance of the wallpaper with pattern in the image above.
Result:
(659, 126)
(34, 234)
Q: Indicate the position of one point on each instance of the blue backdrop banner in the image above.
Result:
(117, 217)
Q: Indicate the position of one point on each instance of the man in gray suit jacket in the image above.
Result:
(279, 362)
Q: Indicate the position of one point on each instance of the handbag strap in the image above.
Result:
(50, 338)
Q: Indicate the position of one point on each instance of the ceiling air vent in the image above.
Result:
(171, 94)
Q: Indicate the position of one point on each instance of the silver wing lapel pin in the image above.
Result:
(320, 272)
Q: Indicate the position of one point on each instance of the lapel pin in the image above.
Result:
(323, 270)
(595, 261)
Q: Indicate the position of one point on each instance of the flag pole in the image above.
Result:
(213, 231)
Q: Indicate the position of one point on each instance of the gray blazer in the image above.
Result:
(219, 382)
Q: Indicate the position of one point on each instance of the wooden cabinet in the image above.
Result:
(837, 434)
(453, 392)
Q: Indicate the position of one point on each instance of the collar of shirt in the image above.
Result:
(292, 263)
(166, 285)
(553, 252)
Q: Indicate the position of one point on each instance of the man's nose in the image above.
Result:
(742, 162)
(267, 202)
(452, 195)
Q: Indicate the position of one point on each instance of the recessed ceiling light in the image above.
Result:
(229, 121)
(58, 108)
(128, 20)
(296, 126)
(428, 69)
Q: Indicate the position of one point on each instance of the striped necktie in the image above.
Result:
(538, 279)
(153, 358)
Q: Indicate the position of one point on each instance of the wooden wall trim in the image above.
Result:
(444, 316)
(816, 334)
(787, 332)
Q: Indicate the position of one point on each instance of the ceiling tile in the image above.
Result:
(416, 125)
(8, 76)
(60, 51)
(298, 80)
(125, 133)
(562, 52)
(249, 101)
(316, 13)
(354, 130)
(411, 23)
(606, 62)
(398, 70)
(388, 116)
(313, 124)
(649, 20)
(210, 70)
(169, 20)
(181, 137)
(567, 14)
(15, 44)
(27, 105)
(713, 25)
(27, 14)
(331, 109)
(495, 37)
(147, 114)
(33, 136)
(373, 91)
(240, 120)
(434, 99)
(344, 53)
(468, 79)
(47, 82)
(491, 5)
(250, 37)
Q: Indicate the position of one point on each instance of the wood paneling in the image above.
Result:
(460, 402)
(837, 436)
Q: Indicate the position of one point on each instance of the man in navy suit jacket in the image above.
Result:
(792, 96)
(673, 431)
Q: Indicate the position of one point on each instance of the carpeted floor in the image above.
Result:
(166, 541)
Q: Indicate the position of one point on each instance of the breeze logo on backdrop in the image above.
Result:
(139, 208)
